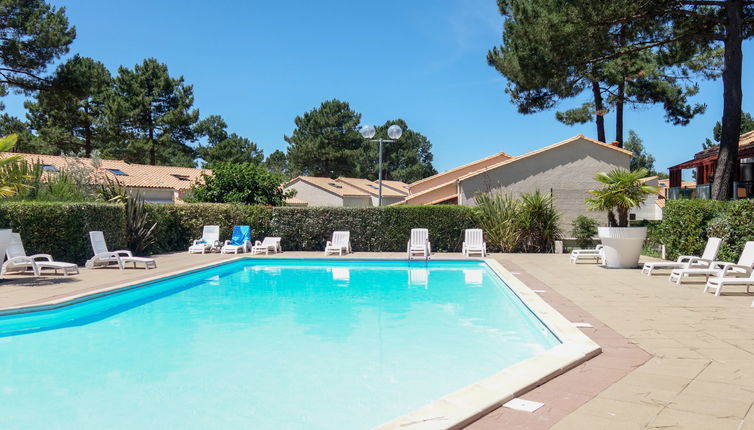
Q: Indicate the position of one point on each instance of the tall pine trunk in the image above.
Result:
(152, 152)
(727, 161)
(619, 113)
(599, 110)
(87, 134)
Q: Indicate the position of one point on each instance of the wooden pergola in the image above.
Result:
(705, 163)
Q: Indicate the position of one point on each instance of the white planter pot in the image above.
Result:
(622, 246)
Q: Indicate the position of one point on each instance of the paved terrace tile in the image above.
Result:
(701, 371)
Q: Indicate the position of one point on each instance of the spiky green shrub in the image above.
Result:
(584, 230)
(527, 224)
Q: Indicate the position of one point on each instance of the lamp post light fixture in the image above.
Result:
(394, 132)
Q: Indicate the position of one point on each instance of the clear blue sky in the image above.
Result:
(258, 64)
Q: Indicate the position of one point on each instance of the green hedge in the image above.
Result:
(687, 224)
(307, 229)
(61, 229)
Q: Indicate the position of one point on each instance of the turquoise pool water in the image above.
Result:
(265, 344)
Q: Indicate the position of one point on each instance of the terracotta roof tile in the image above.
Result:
(372, 187)
(130, 175)
(331, 185)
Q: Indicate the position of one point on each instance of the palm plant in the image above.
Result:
(498, 214)
(623, 189)
(13, 169)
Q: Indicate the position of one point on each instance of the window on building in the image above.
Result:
(333, 184)
(118, 172)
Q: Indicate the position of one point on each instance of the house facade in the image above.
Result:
(565, 169)
(343, 192)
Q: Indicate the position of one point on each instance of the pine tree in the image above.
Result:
(34, 34)
(70, 114)
(153, 114)
(546, 57)
(325, 141)
(277, 162)
(673, 28)
(223, 147)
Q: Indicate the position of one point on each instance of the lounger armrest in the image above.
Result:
(20, 260)
(198, 242)
(123, 253)
(737, 268)
(226, 243)
(685, 258)
(36, 257)
(258, 243)
(105, 255)
(328, 244)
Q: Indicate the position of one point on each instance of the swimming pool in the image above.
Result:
(266, 344)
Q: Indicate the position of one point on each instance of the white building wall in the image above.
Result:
(155, 195)
(315, 196)
(567, 170)
(357, 201)
(649, 210)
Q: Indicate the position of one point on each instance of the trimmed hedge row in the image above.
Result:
(61, 229)
(307, 229)
(687, 224)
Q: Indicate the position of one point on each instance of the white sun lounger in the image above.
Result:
(719, 268)
(340, 243)
(104, 258)
(210, 240)
(597, 254)
(686, 261)
(718, 282)
(419, 244)
(474, 242)
(240, 240)
(267, 245)
(18, 261)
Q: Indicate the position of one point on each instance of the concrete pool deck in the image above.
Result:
(697, 371)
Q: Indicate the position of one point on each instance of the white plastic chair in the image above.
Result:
(597, 254)
(341, 242)
(742, 268)
(419, 244)
(104, 258)
(686, 261)
(267, 245)
(474, 242)
(18, 261)
(210, 240)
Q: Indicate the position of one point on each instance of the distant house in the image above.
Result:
(566, 169)
(443, 187)
(158, 184)
(653, 205)
(704, 165)
(343, 192)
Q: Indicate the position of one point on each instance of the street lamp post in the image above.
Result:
(394, 133)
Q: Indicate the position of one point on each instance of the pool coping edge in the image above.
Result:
(464, 406)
